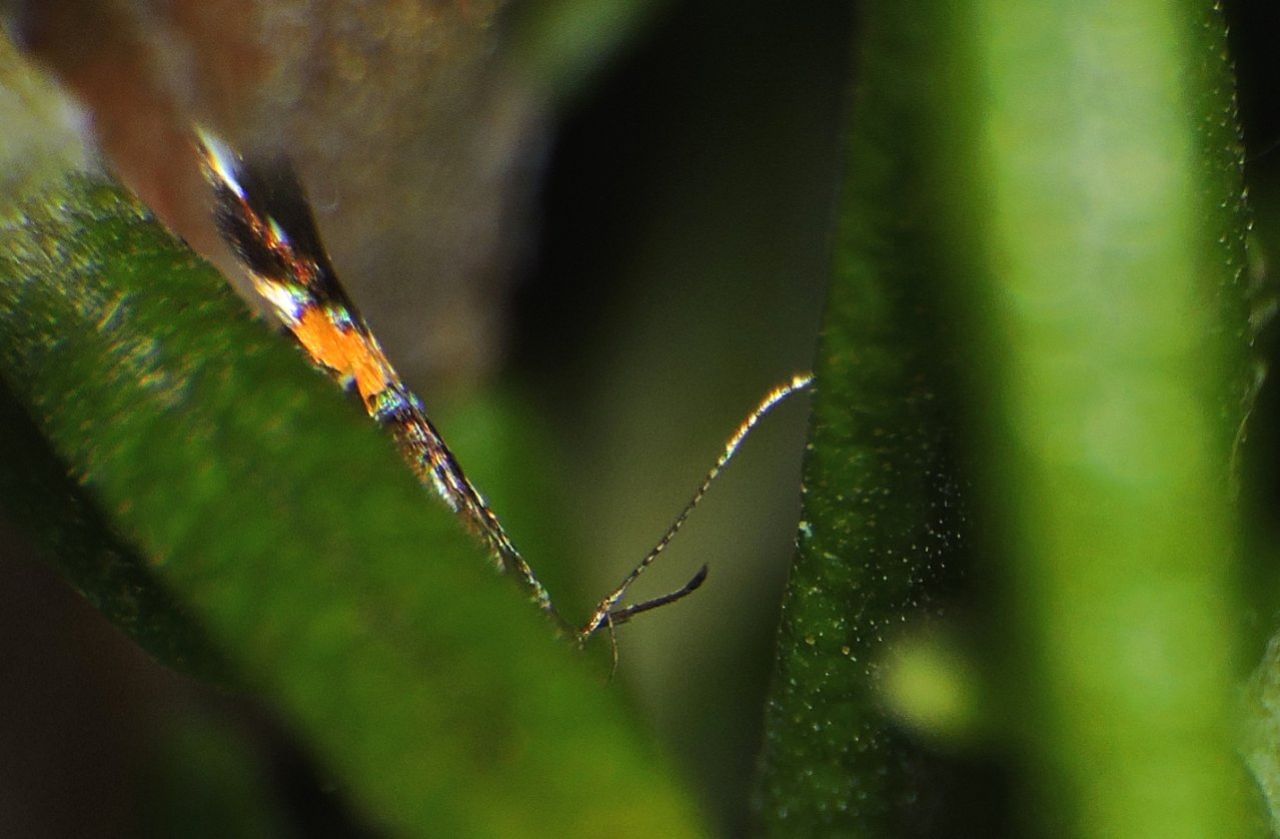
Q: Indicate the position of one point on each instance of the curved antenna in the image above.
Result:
(605, 612)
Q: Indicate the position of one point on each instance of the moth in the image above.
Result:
(262, 212)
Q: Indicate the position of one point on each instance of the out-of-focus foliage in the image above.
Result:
(1039, 277)
(1115, 332)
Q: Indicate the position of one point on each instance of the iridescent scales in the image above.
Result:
(262, 213)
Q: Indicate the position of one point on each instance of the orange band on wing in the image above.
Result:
(347, 352)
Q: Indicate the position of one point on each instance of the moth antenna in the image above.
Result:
(621, 616)
(605, 612)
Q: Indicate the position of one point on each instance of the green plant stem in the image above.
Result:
(1116, 324)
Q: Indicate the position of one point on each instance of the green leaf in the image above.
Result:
(1037, 281)
(261, 506)
(883, 519)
